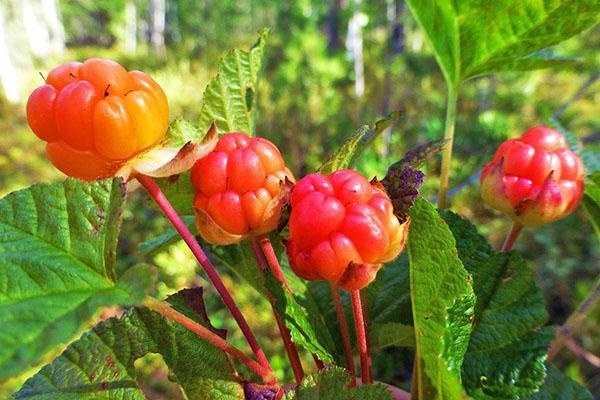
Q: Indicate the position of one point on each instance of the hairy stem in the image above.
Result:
(268, 259)
(361, 337)
(512, 236)
(344, 331)
(168, 312)
(449, 136)
(161, 200)
(575, 320)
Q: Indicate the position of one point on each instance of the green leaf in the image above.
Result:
(591, 200)
(352, 147)
(439, 21)
(508, 345)
(180, 192)
(332, 384)
(101, 363)
(240, 260)
(391, 334)
(160, 242)
(181, 132)
(559, 386)
(472, 38)
(442, 304)
(306, 329)
(57, 259)
(229, 97)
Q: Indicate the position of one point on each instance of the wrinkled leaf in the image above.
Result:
(559, 386)
(472, 38)
(442, 304)
(509, 342)
(57, 260)
(332, 384)
(101, 363)
(229, 97)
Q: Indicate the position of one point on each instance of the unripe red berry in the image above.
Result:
(342, 228)
(535, 179)
(240, 188)
(95, 116)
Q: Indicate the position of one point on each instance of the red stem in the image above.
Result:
(344, 331)
(166, 311)
(361, 336)
(161, 200)
(512, 237)
(265, 260)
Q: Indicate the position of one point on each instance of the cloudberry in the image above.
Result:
(342, 228)
(96, 115)
(239, 188)
(534, 179)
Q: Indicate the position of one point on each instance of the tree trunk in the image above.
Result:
(157, 29)
(9, 78)
(130, 27)
(354, 45)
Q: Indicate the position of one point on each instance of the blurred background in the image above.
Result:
(330, 67)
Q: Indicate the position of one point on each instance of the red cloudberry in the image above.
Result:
(95, 116)
(342, 228)
(535, 179)
(239, 188)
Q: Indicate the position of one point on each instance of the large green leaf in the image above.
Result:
(442, 304)
(101, 364)
(471, 37)
(559, 386)
(57, 260)
(332, 384)
(229, 99)
(508, 345)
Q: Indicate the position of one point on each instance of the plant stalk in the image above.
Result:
(512, 236)
(575, 320)
(344, 331)
(154, 190)
(168, 312)
(268, 259)
(447, 153)
(361, 337)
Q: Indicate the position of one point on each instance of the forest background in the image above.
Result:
(331, 66)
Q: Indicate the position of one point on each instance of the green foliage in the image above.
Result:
(57, 251)
(352, 147)
(229, 98)
(332, 384)
(508, 346)
(306, 328)
(591, 200)
(442, 302)
(471, 38)
(101, 363)
(559, 386)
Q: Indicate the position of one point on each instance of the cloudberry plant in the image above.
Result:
(239, 188)
(342, 228)
(535, 179)
(95, 116)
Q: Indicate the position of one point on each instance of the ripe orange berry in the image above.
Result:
(342, 229)
(535, 179)
(239, 188)
(96, 115)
